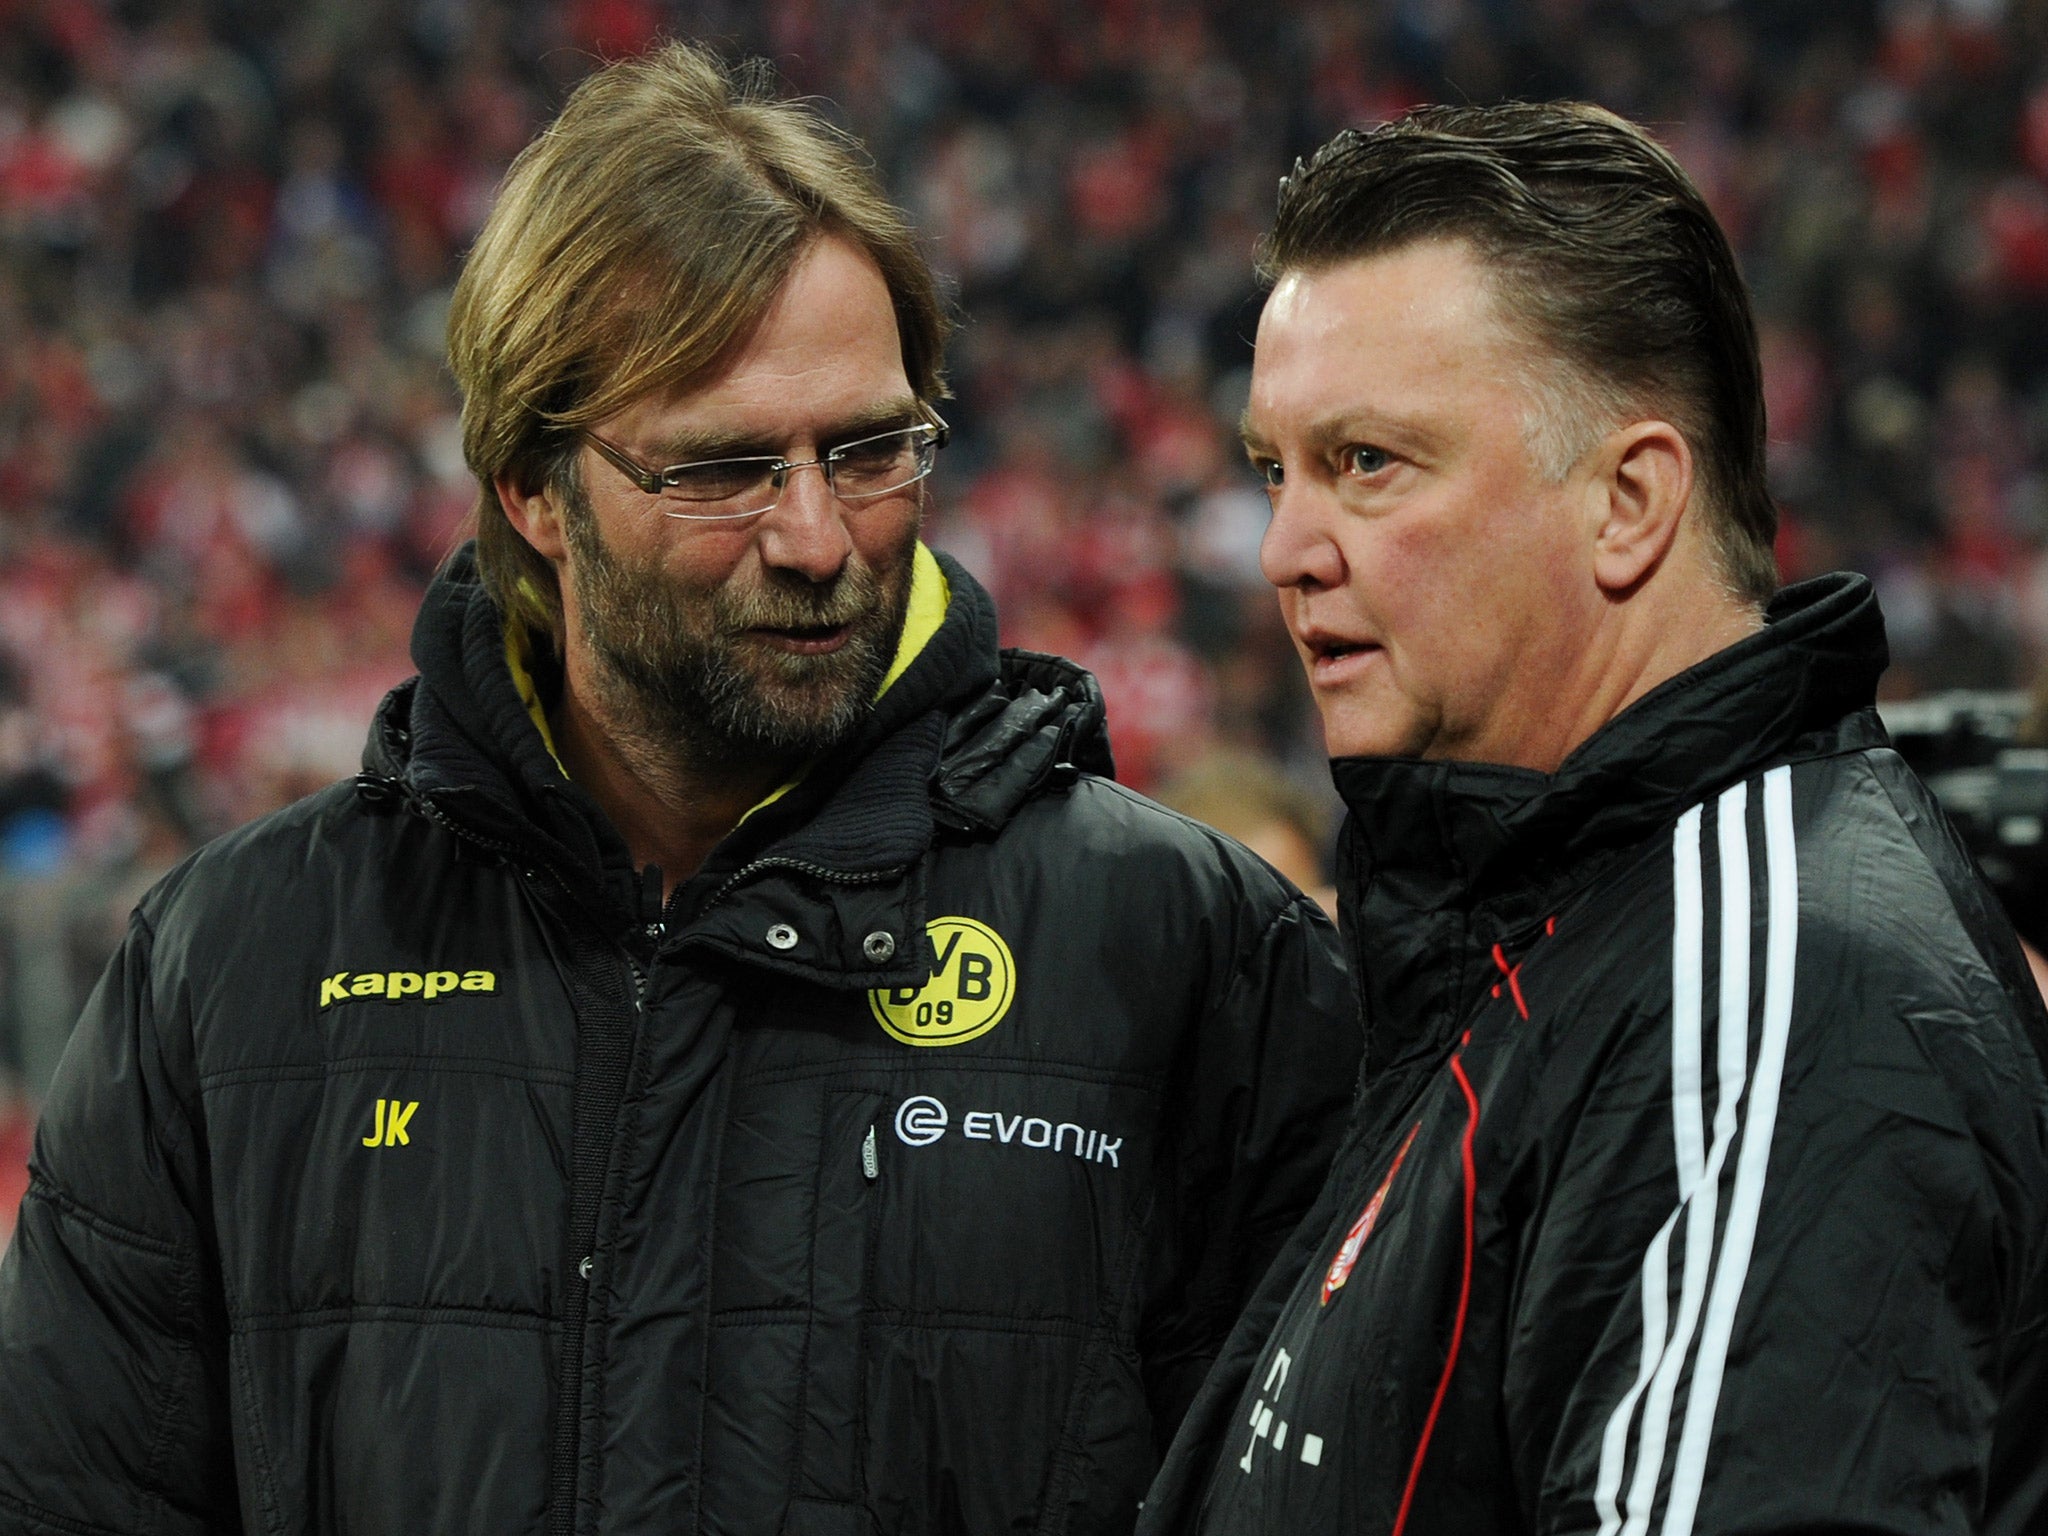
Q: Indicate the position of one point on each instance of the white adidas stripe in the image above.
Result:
(1702, 1202)
(1688, 989)
(1686, 940)
(1782, 865)
(1614, 1443)
(1664, 1354)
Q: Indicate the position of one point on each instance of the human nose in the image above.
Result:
(1298, 549)
(805, 531)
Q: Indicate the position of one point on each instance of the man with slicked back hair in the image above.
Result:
(1698, 1180)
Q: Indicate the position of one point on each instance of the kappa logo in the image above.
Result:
(922, 1120)
(967, 994)
(397, 986)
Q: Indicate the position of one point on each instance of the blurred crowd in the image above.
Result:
(229, 454)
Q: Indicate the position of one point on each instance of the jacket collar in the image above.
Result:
(1475, 852)
(959, 731)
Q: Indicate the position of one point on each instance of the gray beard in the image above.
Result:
(682, 667)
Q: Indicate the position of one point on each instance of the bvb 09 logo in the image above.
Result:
(967, 995)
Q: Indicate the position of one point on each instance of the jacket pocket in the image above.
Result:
(829, 1496)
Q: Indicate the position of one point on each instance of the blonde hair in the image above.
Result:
(634, 243)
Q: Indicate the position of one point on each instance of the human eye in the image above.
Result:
(881, 452)
(874, 466)
(716, 479)
(1363, 461)
(1271, 475)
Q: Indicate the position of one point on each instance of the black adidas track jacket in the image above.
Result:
(1700, 1179)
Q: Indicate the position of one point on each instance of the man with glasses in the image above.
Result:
(734, 1060)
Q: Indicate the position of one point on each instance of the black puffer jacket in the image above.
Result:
(1701, 1179)
(413, 1170)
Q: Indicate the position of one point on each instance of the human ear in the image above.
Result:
(534, 514)
(1641, 489)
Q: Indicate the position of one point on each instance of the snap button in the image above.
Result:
(782, 936)
(878, 946)
(583, 1269)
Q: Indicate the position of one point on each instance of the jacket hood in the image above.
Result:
(1446, 851)
(963, 735)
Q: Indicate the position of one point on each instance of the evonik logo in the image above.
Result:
(922, 1120)
(396, 986)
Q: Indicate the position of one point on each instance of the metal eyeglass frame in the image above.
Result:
(654, 481)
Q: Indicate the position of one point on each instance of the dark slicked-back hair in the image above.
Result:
(1604, 255)
(634, 245)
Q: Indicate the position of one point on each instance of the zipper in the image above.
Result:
(512, 853)
(604, 1056)
(606, 1043)
(829, 1454)
(802, 867)
(603, 1065)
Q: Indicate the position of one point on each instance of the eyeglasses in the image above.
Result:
(722, 490)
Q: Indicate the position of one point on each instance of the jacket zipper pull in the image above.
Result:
(870, 1164)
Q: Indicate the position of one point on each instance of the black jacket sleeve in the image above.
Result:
(1802, 1321)
(1261, 1107)
(113, 1414)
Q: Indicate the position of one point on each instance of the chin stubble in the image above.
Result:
(682, 663)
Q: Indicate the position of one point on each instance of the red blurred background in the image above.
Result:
(229, 453)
